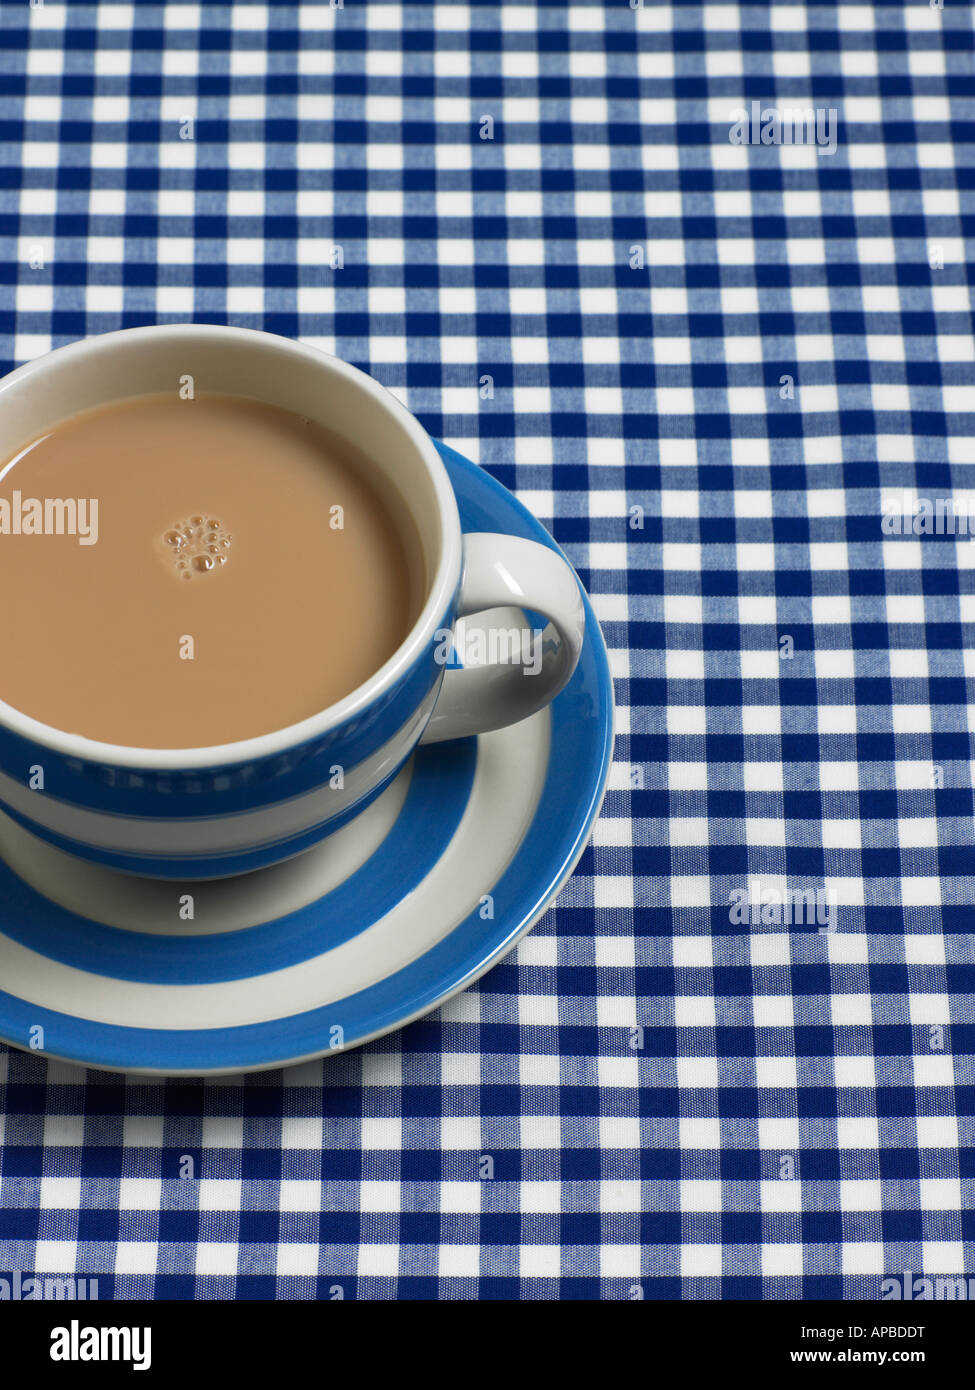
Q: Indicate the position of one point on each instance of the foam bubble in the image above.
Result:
(197, 546)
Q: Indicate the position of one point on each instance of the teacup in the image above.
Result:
(210, 812)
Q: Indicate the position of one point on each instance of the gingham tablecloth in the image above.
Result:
(612, 307)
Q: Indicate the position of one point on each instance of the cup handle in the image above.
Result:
(506, 571)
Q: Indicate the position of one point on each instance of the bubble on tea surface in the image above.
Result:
(196, 546)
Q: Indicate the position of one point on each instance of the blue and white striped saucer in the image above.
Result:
(387, 919)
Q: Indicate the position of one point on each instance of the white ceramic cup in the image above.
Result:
(210, 812)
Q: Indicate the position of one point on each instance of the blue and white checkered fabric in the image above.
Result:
(710, 368)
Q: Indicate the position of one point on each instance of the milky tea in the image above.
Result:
(183, 573)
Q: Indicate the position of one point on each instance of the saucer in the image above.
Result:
(388, 918)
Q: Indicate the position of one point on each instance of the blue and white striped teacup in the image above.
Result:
(209, 812)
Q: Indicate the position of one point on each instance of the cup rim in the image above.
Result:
(441, 589)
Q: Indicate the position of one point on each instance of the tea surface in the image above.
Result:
(223, 569)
